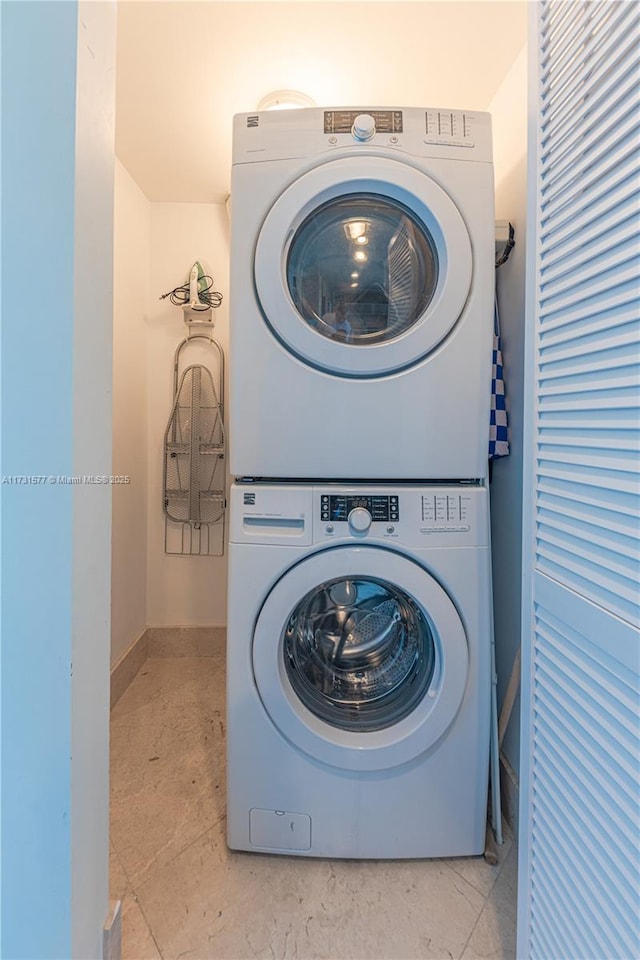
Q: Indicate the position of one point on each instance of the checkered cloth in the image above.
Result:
(498, 429)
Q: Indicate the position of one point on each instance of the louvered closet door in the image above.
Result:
(579, 875)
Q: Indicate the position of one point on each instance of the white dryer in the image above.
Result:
(358, 670)
(362, 277)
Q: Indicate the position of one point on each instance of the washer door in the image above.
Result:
(360, 658)
(363, 266)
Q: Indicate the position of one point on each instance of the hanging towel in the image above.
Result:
(498, 429)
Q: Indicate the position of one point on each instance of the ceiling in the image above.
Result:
(185, 67)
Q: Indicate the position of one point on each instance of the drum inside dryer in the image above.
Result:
(359, 653)
(362, 269)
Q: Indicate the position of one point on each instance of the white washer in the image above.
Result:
(362, 277)
(358, 670)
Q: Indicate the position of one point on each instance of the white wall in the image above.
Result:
(181, 591)
(57, 210)
(509, 112)
(132, 263)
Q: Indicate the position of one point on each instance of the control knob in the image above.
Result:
(359, 519)
(364, 127)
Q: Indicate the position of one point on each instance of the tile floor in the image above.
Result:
(185, 895)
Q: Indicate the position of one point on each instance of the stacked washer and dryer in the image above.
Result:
(359, 616)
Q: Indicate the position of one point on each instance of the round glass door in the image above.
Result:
(362, 266)
(360, 657)
(362, 269)
(359, 653)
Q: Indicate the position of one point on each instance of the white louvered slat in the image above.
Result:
(614, 144)
(612, 244)
(615, 592)
(593, 889)
(564, 764)
(612, 76)
(601, 905)
(586, 362)
(590, 341)
(554, 888)
(607, 323)
(565, 38)
(593, 222)
(556, 20)
(551, 297)
(576, 43)
(559, 382)
(610, 481)
(611, 251)
(580, 58)
(599, 181)
(614, 115)
(597, 306)
(614, 508)
(593, 79)
(582, 529)
(554, 933)
(580, 843)
(585, 798)
(598, 824)
(590, 438)
(613, 723)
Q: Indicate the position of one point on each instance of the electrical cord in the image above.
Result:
(508, 247)
(207, 297)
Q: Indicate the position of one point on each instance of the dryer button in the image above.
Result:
(364, 127)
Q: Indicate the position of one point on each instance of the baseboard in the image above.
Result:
(510, 793)
(186, 641)
(127, 666)
(112, 932)
(164, 642)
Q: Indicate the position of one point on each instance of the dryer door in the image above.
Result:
(363, 266)
(360, 658)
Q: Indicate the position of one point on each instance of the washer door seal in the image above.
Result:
(365, 749)
(393, 183)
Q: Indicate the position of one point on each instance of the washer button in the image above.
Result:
(391, 528)
(359, 520)
(329, 528)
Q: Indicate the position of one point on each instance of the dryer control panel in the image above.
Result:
(343, 121)
(418, 131)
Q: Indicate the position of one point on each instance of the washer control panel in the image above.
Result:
(446, 512)
(430, 515)
(335, 508)
(420, 516)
